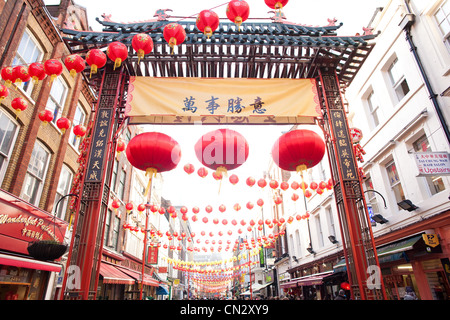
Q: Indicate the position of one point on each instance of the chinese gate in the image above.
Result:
(257, 51)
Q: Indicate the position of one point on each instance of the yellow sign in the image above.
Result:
(176, 282)
(431, 240)
(222, 101)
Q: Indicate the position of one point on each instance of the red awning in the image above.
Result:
(113, 275)
(290, 284)
(16, 261)
(312, 280)
(149, 281)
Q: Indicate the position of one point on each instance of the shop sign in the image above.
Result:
(152, 257)
(431, 240)
(27, 227)
(433, 163)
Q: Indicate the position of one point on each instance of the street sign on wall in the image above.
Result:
(433, 163)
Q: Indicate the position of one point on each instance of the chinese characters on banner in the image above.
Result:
(344, 145)
(433, 163)
(222, 101)
(152, 256)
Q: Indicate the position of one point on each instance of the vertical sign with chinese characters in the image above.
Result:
(99, 146)
(344, 145)
(152, 257)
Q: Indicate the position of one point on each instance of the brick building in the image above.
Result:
(38, 161)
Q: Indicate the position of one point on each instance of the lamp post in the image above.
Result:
(147, 209)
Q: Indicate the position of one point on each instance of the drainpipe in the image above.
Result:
(406, 24)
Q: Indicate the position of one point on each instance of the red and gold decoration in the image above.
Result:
(63, 124)
(222, 150)
(53, 68)
(19, 105)
(45, 116)
(207, 22)
(75, 64)
(7, 76)
(174, 34)
(143, 44)
(238, 11)
(153, 152)
(79, 130)
(37, 72)
(4, 92)
(96, 59)
(117, 52)
(276, 4)
(120, 146)
(21, 75)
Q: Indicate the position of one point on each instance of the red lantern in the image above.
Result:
(141, 207)
(319, 191)
(250, 181)
(222, 150)
(79, 130)
(249, 205)
(234, 179)
(116, 205)
(75, 64)
(217, 175)
(46, 116)
(96, 59)
(37, 71)
(63, 124)
(53, 68)
(20, 74)
(345, 286)
(153, 152)
(207, 22)
(189, 168)
(222, 208)
(4, 92)
(205, 219)
(208, 209)
(120, 146)
(19, 104)
(308, 194)
(183, 210)
(278, 200)
(262, 183)
(276, 4)
(174, 34)
(322, 185)
(294, 197)
(117, 52)
(273, 184)
(260, 202)
(237, 207)
(238, 11)
(284, 186)
(195, 210)
(7, 75)
(129, 207)
(313, 185)
(143, 44)
(298, 150)
(202, 172)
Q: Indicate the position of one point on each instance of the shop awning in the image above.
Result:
(289, 284)
(22, 262)
(399, 246)
(148, 281)
(256, 287)
(161, 291)
(113, 275)
(315, 279)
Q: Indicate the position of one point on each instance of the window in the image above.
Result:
(398, 81)
(331, 227)
(442, 18)
(114, 175)
(373, 108)
(435, 183)
(58, 94)
(8, 134)
(319, 231)
(394, 181)
(28, 52)
(297, 241)
(121, 190)
(65, 181)
(79, 118)
(371, 196)
(37, 170)
(115, 235)
(107, 227)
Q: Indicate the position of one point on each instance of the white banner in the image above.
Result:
(433, 163)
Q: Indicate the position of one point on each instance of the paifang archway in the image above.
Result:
(259, 50)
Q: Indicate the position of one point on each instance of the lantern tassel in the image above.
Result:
(152, 172)
(300, 169)
(223, 172)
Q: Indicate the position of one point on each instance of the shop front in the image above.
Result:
(31, 243)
